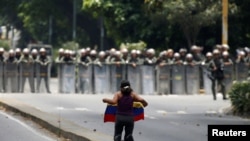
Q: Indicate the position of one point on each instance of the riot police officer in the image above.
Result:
(150, 58)
(60, 55)
(11, 73)
(84, 80)
(189, 60)
(217, 74)
(177, 59)
(26, 69)
(101, 59)
(44, 62)
(134, 59)
(2, 69)
(67, 58)
(117, 59)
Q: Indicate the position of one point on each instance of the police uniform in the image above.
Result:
(43, 62)
(27, 70)
(217, 75)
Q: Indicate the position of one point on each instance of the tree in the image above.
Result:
(128, 21)
(190, 15)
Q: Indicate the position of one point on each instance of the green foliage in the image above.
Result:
(127, 21)
(240, 97)
(190, 15)
(71, 45)
(5, 44)
(138, 46)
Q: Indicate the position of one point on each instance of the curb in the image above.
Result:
(55, 124)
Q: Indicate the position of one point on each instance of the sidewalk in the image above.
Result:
(58, 126)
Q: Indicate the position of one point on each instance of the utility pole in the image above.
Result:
(101, 34)
(50, 28)
(74, 21)
(224, 21)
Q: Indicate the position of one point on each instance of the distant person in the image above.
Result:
(124, 99)
(44, 61)
(217, 71)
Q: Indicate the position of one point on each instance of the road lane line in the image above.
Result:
(150, 117)
(181, 112)
(161, 112)
(60, 108)
(26, 126)
(82, 109)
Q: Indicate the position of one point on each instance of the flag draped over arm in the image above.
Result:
(110, 112)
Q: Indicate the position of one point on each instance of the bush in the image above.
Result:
(240, 97)
(4, 44)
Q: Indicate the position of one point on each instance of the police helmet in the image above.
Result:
(133, 51)
(1, 49)
(176, 55)
(11, 51)
(93, 52)
(102, 53)
(17, 50)
(25, 50)
(216, 51)
(34, 51)
(225, 53)
(209, 54)
(189, 55)
(61, 50)
(42, 50)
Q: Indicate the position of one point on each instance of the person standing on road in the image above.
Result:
(26, 70)
(124, 115)
(44, 61)
(218, 74)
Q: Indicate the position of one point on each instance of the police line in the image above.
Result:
(96, 79)
(145, 79)
(14, 75)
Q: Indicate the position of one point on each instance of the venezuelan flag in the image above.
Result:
(110, 112)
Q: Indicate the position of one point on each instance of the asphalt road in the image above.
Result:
(167, 118)
(14, 128)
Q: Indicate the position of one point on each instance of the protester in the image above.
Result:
(124, 99)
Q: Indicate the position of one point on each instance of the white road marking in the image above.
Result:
(26, 126)
(82, 109)
(150, 117)
(60, 108)
(181, 112)
(161, 112)
(211, 112)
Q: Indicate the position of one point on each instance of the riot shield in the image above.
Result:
(133, 76)
(228, 77)
(207, 82)
(43, 78)
(192, 74)
(85, 79)
(2, 89)
(11, 77)
(148, 79)
(26, 72)
(117, 74)
(241, 71)
(59, 76)
(163, 79)
(101, 79)
(67, 78)
(178, 79)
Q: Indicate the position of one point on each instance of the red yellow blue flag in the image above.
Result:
(110, 112)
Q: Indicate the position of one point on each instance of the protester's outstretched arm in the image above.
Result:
(140, 99)
(111, 101)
